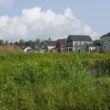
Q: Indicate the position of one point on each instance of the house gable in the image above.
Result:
(78, 42)
(105, 42)
(61, 45)
(69, 42)
(81, 38)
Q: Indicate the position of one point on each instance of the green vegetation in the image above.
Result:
(54, 82)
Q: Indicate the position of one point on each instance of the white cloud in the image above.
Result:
(35, 23)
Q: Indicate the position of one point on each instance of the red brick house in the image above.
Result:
(61, 45)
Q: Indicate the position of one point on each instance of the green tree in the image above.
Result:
(1, 42)
(6, 42)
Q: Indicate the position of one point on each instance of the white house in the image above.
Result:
(49, 45)
(105, 42)
(78, 42)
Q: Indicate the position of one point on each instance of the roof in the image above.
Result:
(61, 41)
(106, 35)
(51, 43)
(80, 38)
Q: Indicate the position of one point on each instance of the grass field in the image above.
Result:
(54, 81)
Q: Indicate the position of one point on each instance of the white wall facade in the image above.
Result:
(80, 45)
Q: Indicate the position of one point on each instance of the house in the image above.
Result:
(97, 45)
(49, 46)
(61, 45)
(35, 49)
(78, 43)
(39, 48)
(105, 42)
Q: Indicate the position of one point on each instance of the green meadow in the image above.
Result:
(54, 81)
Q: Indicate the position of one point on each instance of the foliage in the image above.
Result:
(51, 82)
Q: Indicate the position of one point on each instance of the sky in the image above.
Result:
(43, 19)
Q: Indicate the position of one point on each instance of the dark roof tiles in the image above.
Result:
(80, 38)
(50, 43)
(106, 35)
(62, 41)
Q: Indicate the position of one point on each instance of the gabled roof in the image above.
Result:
(50, 43)
(62, 41)
(106, 35)
(80, 38)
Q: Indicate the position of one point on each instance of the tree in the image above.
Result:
(16, 43)
(6, 42)
(49, 39)
(1, 42)
(21, 42)
(37, 41)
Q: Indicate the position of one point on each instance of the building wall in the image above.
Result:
(61, 47)
(105, 44)
(80, 45)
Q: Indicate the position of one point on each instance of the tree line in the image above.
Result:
(23, 43)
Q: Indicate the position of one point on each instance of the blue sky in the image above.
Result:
(94, 13)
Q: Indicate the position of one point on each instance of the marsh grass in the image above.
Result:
(51, 82)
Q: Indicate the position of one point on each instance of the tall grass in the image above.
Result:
(51, 82)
